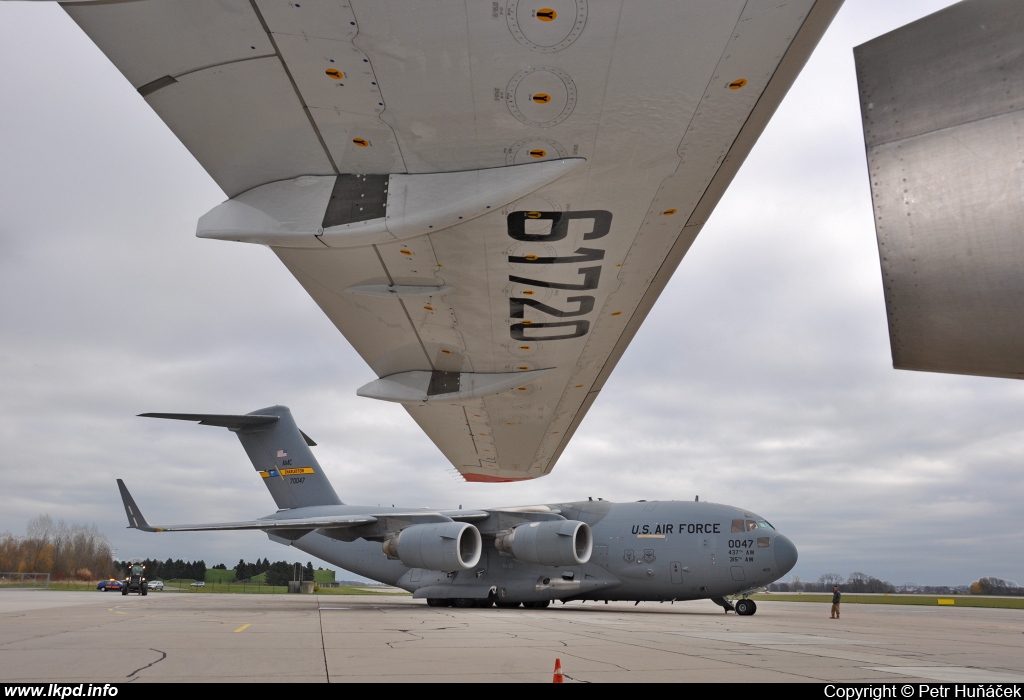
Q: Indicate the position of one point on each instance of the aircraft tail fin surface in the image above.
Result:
(279, 452)
(135, 519)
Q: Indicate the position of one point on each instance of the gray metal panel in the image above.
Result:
(149, 40)
(942, 106)
(356, 198)
(244, 124)
(950, 68)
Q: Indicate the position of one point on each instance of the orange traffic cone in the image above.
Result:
(558, 672)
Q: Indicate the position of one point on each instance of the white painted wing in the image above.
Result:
(530, 174)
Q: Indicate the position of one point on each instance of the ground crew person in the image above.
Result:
(836, 595)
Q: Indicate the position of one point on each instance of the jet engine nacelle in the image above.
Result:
(551, 542)
(436, 546)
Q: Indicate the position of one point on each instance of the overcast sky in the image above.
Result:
(761, 379)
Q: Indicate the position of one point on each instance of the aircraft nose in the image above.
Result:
(785, 554)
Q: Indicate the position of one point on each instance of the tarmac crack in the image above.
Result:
(163, 655)
(323, 644)
(414, 638)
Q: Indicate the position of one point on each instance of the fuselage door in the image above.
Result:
(676, 569)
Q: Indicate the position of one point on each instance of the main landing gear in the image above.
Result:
(745, 607)
(482, 603)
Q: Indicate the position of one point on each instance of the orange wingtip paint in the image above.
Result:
(485, 479)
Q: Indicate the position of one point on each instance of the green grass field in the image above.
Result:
(220, 576)
(962, 601)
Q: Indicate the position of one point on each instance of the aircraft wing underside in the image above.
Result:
(485, 198)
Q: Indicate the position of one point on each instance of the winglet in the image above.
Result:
(135, 519)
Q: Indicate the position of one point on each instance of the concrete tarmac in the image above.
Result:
(53, 636)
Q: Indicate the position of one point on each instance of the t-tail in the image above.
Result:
(279, 452)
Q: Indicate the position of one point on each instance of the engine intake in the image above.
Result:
(551, 542)
(436, 546)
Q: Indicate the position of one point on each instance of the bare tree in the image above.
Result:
(826, 581)
(72, 551)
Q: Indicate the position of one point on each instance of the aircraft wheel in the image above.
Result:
(745, 607)
(537, 605)
(437, 603)
(508, 605)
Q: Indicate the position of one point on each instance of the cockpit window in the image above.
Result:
(750, 525)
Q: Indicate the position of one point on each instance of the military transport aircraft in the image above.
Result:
(529, 555)
(486, 198)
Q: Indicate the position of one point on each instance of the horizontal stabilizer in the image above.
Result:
(221, 421)
(224, 421)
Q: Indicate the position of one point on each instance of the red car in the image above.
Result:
(110, 585)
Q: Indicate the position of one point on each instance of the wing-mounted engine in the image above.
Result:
(550, 543)
(446, 546)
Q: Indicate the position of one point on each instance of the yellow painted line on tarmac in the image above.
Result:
(242, 628)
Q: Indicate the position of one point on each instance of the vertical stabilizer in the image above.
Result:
(279, 452)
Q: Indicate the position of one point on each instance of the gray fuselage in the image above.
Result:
(649, 550)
